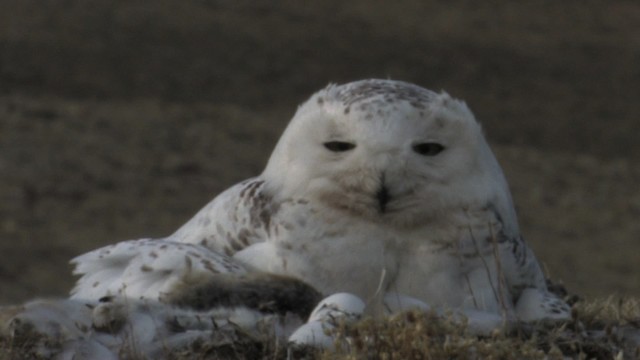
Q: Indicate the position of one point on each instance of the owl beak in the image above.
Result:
(383, 198)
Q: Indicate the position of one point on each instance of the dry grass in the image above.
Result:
(594, 332)
(597, 330)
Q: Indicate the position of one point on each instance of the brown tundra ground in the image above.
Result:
(120, 119)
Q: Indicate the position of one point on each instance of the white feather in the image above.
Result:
(145, 268)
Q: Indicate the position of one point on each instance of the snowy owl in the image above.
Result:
(380, 196)
(375, 187)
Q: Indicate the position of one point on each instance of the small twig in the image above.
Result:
(500, 274)
(496, 292)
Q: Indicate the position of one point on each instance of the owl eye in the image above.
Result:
(428, 148)
(339, 146)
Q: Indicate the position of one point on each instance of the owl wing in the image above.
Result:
(236, 219)
(520, 268)
(491, 234)
(148, 268)
(523, 275)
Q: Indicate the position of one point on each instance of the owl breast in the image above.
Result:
(333, 252)
(455, 263)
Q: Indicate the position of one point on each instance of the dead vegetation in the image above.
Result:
(599, 329)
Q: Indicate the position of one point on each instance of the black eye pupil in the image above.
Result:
(428, 149)
(339, 146)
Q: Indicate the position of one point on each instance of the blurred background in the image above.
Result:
(119, 119)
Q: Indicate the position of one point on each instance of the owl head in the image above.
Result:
(387, 151)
